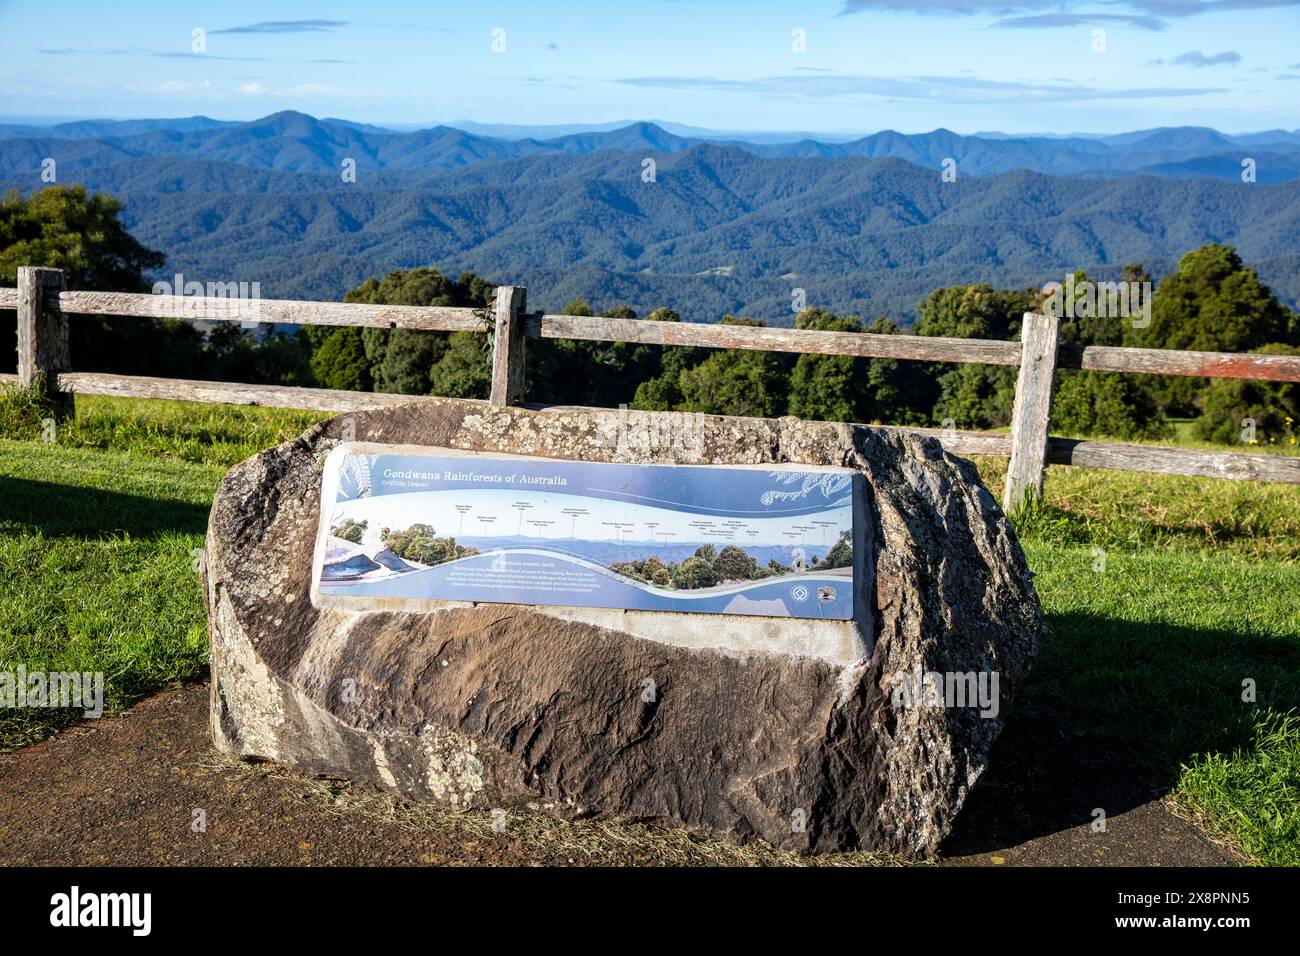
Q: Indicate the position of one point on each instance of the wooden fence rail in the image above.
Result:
(44, 304)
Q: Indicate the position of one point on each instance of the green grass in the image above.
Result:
(1163, 594)
(1185, 437)
(184, 431)
(1147, 657)
(1135, 511)
(97, 553)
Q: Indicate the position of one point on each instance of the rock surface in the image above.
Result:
(498, 706)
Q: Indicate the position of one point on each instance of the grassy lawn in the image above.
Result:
(96, 549)
(1147, 658)
(181, 431)
(1163, 594)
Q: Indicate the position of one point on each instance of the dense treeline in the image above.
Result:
(708, 566)
(1212, 302)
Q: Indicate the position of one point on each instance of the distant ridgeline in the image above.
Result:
(721, 227)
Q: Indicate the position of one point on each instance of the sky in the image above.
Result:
(640, 522)
(832, 66)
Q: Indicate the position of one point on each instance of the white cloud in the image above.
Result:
(1042, 14)
(1198, 59)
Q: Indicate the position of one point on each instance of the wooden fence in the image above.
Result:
(43, 304)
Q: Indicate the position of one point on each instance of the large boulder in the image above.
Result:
(501, 706)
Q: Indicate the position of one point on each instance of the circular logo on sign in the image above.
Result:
(799, 592)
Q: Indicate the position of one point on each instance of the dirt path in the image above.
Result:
(128, 791)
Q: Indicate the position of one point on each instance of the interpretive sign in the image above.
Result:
(421, 525)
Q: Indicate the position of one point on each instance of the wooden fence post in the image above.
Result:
(43, 335)
(1033, 406)
(508, 345)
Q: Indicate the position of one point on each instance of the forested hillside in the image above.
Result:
(1214, 301)
(718, 231)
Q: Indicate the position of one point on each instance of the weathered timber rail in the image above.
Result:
(44, 304)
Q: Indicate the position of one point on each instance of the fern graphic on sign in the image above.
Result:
(830, 485)
(354, 477)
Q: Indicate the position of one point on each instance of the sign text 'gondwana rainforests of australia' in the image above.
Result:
(773, 541)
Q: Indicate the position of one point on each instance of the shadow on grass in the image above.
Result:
(1109, 715)
(60, 510)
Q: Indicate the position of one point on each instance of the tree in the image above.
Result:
(404, 360)
(840, 555)
(172, 348)
(419, 543)
(1106, 404)
(276, 358)
(63, 227)
(894, 392)
(402, 542)
(464, 369)
(1229, 405)
(582, 372)
(694, 573)
(66, 228)
(743, 382)
(663, 391)
(828, 387)
(1213, 303)
(577, 307)
(350, 530)
(400, 359)
(972, 312)
(1087, 319)
(973, 396)
(631, 569)
(976, 396)
(340, 361)
(734, 564)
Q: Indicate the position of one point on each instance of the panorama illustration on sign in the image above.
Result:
(754, 541)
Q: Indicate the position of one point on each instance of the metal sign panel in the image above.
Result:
(772, 541)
